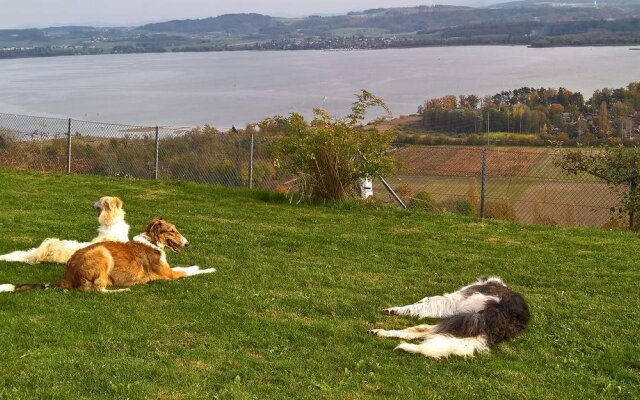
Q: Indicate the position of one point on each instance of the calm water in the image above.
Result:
(184, 89)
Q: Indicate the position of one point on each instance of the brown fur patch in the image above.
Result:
(105, 264)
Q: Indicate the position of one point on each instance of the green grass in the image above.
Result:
(505, 135)
(297, 287)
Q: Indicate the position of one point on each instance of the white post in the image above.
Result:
(366, 187)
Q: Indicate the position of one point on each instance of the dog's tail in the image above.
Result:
(51, 250)
(25, 256)
(9, 287)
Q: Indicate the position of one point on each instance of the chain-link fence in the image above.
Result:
(513, 183)
(518, 184)
(203, 155)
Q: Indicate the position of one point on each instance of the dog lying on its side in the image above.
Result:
(475, 318)
(112, 228)
(105, 264)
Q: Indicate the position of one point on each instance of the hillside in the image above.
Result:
(535, 23)
(296, 290)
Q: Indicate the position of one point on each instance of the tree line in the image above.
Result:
(609, 113)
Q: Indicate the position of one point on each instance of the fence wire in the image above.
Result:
(521, 183)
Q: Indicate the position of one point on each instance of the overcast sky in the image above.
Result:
(43, 13)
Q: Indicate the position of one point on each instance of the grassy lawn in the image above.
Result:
(297, 287)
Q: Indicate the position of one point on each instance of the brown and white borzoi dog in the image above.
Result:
(142, 260)
(112, 228)
(474, 318)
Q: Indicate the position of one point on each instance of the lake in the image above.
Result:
(235, 88)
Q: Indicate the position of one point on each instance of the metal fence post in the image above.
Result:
(483, 184)
(69, 146)
(155, 166)
(251, 163)
(392, 192)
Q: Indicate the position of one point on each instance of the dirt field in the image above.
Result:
(466, 161)
(525, 178)
(567, 203)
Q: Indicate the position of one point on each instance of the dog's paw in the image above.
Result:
(389, 311)
(195, 270)
(186, 270)
(205, 271)
(408, 347)
(374, 332)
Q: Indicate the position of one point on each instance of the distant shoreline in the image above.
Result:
(530, 46)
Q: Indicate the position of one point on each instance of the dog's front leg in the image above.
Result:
(193, 270)
(429, 307)
(164, 271)
(415, 332)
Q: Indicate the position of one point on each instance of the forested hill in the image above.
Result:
(397, 20)
(235, 24)
(535, 23)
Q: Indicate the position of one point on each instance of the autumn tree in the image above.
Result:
(602, 120)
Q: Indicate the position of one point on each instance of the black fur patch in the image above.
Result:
(500, 320)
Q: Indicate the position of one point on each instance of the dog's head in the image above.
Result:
(109, 209)
(163, 233)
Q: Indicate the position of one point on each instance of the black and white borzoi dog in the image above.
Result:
(474, 318)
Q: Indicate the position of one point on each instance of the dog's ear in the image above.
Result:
(117, 203)
(105, 205)
(153, 230)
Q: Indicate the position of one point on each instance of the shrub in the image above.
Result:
(570, 215)
(403, 191)
(473, 194)
(539, 217)
(458, 206)
(501, 209)
(422, 200)
(328, 156)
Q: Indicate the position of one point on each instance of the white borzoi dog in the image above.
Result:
(112, 228)
(474, 318)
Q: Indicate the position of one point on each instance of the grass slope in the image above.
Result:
(297, 287)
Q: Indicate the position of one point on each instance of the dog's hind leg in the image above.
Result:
(437, 346)
(433, 307)
(415, 332)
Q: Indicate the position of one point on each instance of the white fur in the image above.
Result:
(415, 332)
(105, 290)
(7, 287)
(59, 251)
(447, 305)
(438, 346)
(115, 232)
(144, 239)
(190, 271)
(194, 270)
(474, 303)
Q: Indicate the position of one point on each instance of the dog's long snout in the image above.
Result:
(185, 242)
